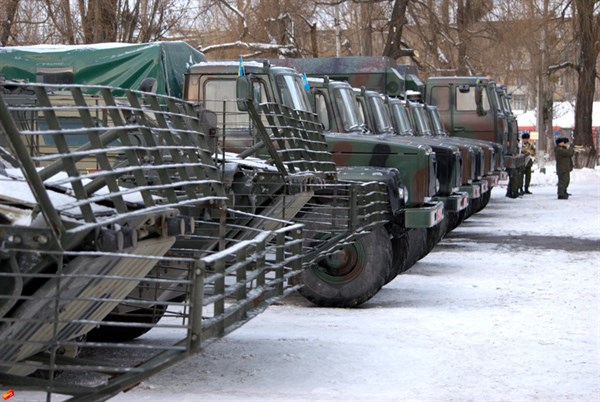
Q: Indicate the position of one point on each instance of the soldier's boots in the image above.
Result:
(513, 194)
(563, 196)
(527, 191)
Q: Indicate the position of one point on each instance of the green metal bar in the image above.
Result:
(68, 163)
(29, 170)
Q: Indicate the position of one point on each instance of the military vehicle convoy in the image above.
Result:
(384, 75)
(188, 213)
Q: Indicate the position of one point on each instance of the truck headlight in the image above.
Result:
(403, 194)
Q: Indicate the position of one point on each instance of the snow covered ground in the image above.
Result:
(506, 308)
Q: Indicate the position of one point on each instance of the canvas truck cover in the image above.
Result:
(121, 65)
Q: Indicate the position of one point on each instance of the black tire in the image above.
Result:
(116, 333)
(353, 276)
(434, 236)
(399, 256)
(485, 199)
(454, 219)
(417, 242)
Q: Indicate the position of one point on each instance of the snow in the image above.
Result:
(506, 308)
(564, 116)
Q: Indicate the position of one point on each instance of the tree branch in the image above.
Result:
(561, 66)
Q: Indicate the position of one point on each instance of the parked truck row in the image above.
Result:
(255, 181)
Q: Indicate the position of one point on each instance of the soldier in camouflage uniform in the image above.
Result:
(529, 150)
(564, 166)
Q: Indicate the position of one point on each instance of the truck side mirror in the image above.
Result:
(244, 92)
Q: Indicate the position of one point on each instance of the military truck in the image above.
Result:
(470, 107)
(327, 97)
(410, 123)
(427, 123)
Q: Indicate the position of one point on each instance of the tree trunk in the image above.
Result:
(7, 21)
(313, 40)
(366, 11)
(589, 47)
(392, 47)
(462, 24)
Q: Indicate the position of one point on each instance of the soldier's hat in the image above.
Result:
(525, 136)
(561, 139)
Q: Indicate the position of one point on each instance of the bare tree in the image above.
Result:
(10, 7)
(587, 19)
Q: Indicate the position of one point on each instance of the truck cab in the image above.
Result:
(470, 107)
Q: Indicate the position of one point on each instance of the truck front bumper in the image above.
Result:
(427, 216)
(483, 186)
(455, 202)
(472, 190)
(502, 174)
(492, 180)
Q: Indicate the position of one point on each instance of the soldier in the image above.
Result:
(529, 150)
(564, 166)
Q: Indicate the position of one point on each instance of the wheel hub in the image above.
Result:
(341, 262)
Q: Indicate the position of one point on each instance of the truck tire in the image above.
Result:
(354, 275)
(485, 198)
(399, 256)
(434, 236)
(115, 333)
(417, 242)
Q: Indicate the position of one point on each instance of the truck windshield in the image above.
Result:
(436, 120)
(466, 101)
(344, 100)
(380, 115)
(421, 120)
(219, 97)
(401, 118)
(292, 92)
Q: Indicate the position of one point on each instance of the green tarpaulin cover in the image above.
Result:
(114, 64)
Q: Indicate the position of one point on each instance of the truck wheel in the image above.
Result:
(399, 256)
(352, 275)
(454, 219)
(115, 333)
(434, 236)
(417, 242)
(485, 198)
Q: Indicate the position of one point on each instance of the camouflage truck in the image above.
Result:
(212, 84)
(426, 122)
(408, 122)
(372, 109)
(379, 74)
(470, 107)
(336, 106)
